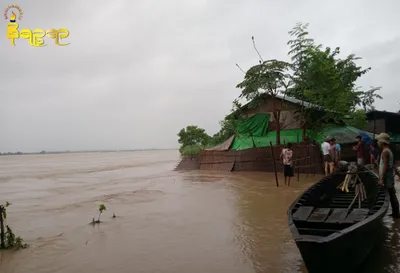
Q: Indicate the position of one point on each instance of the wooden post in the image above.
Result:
(298, 174)
(273, 158)
(2, 239)
(309, 159)
(296, 159)
(314, 164)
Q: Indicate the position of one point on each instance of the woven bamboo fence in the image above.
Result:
(306, 159)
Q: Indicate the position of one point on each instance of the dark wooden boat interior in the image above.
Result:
(323, 209)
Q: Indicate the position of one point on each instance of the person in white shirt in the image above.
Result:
(286, 156)
(325, 147)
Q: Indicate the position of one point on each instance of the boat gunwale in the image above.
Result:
(324, 239)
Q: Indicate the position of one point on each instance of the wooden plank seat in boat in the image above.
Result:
(317, 231)
(356, 215)
(335, 245)
(302, 213)
(319, 215)
(337, 216)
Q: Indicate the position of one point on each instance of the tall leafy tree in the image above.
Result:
(322, 78)
(270, 78)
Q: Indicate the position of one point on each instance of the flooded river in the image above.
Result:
(166, 221)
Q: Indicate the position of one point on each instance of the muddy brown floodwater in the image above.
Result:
(166, 221)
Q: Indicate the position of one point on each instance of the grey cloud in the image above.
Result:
(136, 72)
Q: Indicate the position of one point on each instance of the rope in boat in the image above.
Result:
(352, 179)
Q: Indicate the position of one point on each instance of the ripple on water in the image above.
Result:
(168, 221)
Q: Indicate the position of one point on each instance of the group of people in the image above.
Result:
(373, 152)
(380, 155)
(330, 148)
(332, 153)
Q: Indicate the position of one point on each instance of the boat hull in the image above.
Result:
(337, 245)
(346, 253)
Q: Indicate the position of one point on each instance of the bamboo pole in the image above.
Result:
(273, 158)
(351, 205)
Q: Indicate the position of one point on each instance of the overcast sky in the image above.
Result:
(137, 71)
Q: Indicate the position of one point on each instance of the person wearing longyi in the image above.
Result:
(359, 148)
(386, 172)
(286, 156)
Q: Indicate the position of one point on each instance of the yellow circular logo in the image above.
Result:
(13, 12)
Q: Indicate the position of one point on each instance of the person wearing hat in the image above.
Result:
(386, 169)
(325, 147)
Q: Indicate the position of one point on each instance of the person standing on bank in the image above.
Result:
(359, 148)
(286, 156)
(339, 153)
(386, 172)
(334, 155)
(325, 147)
(374, 155)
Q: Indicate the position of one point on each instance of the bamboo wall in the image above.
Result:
(306, 159)
(188, 163)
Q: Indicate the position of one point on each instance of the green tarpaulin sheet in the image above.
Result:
(242, 143)
(253, 132)
(256, 126)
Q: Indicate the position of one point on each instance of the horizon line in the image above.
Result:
(85, 151)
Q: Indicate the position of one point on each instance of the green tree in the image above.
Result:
(228, 129)
(271, 78)
(358, 119)
(193, 136)
(323, 79)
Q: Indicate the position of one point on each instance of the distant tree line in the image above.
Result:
(17, 153)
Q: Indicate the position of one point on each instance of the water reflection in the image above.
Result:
(262, 232)
(385, 257)
(261, 226)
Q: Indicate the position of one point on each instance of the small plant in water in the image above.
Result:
(8, 239)
(102, 208)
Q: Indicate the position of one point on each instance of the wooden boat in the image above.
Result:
(331, 236)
